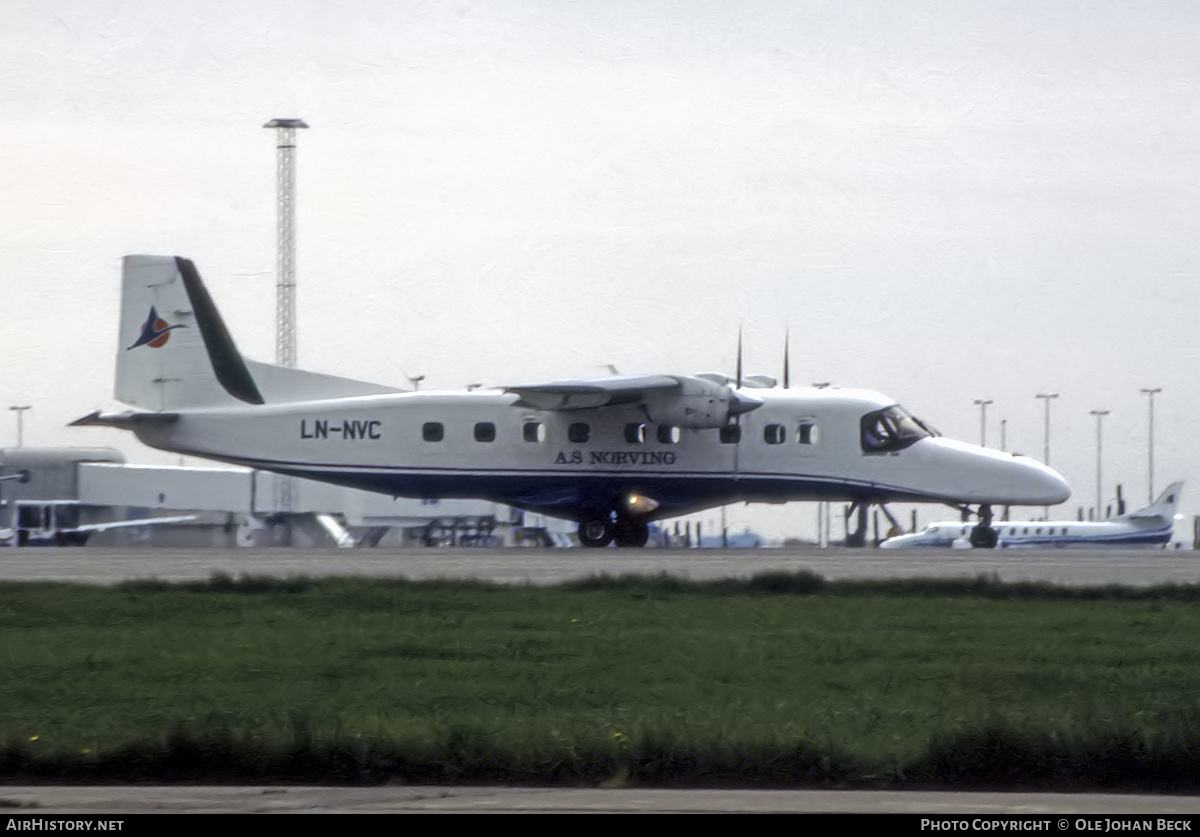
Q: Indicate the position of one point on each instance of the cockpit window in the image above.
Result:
(891, 429)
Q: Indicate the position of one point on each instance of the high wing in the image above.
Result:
(682, 400)
(593, 392)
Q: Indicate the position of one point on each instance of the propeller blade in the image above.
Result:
(787, 373)
(739, 359)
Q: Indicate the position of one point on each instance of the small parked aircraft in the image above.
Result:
(611, 453)
(1151, 526)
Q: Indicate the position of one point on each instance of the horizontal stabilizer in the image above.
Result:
(125, 421)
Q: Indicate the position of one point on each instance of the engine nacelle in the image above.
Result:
(698, 403)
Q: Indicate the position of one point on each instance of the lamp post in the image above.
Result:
(1150, 454)
(1047, 397)
(20, 411)
(1099, 414)
(982, 404)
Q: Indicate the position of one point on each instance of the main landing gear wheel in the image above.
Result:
(595, 531)
(601, 531)
(631, 532)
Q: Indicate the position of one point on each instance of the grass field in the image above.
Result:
(782, 680)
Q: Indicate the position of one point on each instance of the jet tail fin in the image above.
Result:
(1164, 506)
(175, 351)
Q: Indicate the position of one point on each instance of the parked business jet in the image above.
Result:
(611, 453)
(1151, 526)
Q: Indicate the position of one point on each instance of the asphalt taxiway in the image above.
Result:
(40, 801)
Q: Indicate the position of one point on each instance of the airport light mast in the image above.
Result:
(285, 297)
(20, 411)
(1150, 453)
(1099, 414)
(1046, 397)
(285, 281)
(982, 404)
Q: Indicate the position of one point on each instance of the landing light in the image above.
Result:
(639, 504)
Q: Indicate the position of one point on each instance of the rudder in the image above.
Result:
(175, 351)
(165, 356)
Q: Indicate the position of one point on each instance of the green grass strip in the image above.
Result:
(780, 680)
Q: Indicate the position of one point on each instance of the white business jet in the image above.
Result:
(1151, 526)
(611, 453)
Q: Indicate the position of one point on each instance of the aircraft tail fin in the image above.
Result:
(1164, 506)
(175, 351)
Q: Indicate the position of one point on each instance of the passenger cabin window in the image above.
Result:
(635, 434)
(579, 432)
(668, 434)
(890, 430)
(806, 433)
(485, 431)
(730, 434)
(773, 434)
(432, 431)
(533, 431)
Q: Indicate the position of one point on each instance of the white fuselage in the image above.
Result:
(1046, 533)
(800, 444)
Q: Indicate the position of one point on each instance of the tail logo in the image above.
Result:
(155, 331)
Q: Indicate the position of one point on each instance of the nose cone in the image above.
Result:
(972, 474)
(1046, 486)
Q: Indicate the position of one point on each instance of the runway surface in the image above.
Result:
(550, 566)
(104, 565)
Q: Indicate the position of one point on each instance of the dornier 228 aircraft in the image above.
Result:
(612, 453)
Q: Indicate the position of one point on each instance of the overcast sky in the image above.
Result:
(943, 201)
